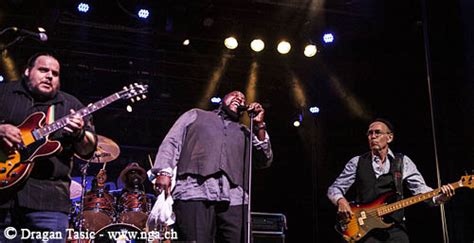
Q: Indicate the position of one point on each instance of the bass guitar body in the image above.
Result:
(365, 219)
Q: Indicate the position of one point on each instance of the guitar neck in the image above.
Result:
(60, 123)
(392, 207)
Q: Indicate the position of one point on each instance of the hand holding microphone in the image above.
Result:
(256, 109)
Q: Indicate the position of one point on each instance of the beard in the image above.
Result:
(40, 95)
(234, 116)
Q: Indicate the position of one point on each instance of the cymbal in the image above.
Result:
(75, 190)
(106, 151)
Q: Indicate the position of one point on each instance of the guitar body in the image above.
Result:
(370, 216)
(365, 219)
(15, 166)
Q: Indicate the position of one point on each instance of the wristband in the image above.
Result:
(164, 173)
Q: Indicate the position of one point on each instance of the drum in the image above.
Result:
(133, 208)
(119, 233)
(98, 210)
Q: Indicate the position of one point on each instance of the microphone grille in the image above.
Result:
(43, 37)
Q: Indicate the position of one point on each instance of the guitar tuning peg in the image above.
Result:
(143, 96)
(125, 87)
(133, 100)
(138, 98)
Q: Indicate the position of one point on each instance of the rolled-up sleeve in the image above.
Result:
(413, 178)
(264, 148)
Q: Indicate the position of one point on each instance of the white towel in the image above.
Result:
(162, 211)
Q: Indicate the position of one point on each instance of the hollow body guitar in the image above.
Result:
(16, 165)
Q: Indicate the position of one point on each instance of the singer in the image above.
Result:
(208, 151)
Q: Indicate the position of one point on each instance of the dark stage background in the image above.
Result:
(376, 67)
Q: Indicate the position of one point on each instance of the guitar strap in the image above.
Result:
(398, 173)
(50, 115)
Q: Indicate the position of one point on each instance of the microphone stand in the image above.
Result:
(83, 195)
(249, 211)
(17, 39)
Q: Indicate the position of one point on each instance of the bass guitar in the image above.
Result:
(15, 166)
(370, 216)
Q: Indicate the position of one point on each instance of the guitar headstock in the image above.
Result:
(467, 181)
(134, 91)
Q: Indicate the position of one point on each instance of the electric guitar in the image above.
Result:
(370, 216)
(15, 166)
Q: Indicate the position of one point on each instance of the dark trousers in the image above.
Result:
(391, 235)
(208, 222)
(18, 222)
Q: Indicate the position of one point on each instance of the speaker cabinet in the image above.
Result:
(268, 227)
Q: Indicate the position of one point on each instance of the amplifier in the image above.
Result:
(268, 227)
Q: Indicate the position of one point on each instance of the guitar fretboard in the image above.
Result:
(60, 123)
(381, 211)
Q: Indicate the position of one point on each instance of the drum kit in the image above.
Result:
(99, 210)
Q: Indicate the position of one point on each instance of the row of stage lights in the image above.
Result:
(283, 47)
(257, 45)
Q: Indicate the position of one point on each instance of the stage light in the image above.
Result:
(310, 50)
(2, 78)
(143, 13)
(298, 120)
(129, 108)
(231, 42)
(328, 38)
(186, 42)
(314, 110)
(83, 7)
(215, 100)
(284, 47)
(257, 45)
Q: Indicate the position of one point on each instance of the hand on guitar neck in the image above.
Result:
(447, 191)
(75, 124)
(84, 142)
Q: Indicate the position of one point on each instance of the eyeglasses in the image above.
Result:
(377, 133)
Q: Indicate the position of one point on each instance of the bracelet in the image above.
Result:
(164, 173)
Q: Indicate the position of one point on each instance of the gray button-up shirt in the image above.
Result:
(195, 187)
(411, 176)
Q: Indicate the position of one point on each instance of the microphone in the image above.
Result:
(40, 36)
(241, 108)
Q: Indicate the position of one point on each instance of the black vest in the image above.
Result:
(211, 147)
(370, 188)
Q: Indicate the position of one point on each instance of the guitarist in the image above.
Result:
(42, 202)
(377, 172)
